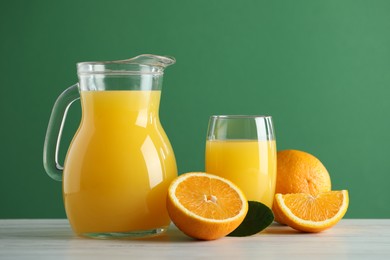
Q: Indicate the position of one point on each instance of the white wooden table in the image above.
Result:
(53, 239)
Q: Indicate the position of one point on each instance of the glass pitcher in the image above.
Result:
(120, 163)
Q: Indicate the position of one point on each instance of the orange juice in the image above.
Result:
(119, 165)
(250, 164)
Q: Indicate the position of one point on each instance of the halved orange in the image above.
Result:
(205, 206)
(312, 213)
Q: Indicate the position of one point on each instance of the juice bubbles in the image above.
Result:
(119, 165)
(250, 164)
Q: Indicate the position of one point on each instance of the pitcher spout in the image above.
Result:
(151, 60)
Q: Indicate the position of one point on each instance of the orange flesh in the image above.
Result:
(315, 208)
(209, 198)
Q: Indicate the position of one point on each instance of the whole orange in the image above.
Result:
(300, 172)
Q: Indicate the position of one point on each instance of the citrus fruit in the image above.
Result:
(308, 213)
(299, 172)
(205, 206)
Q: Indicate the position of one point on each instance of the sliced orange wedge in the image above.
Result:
(205, 206)
(308, 213)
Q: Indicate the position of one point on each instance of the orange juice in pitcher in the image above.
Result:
(120, 162)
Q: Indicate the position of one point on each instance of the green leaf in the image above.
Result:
(259, 217)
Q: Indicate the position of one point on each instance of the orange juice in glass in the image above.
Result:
(120, 163)
(243, 149)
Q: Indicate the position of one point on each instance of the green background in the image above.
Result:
(320, 68)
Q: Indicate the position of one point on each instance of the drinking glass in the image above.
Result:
(242, 148)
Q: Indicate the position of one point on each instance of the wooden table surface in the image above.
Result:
(53, 239)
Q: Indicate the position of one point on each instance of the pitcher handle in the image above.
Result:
(54, 131)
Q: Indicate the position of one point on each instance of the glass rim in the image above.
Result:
(239, 116)
(240, 127)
